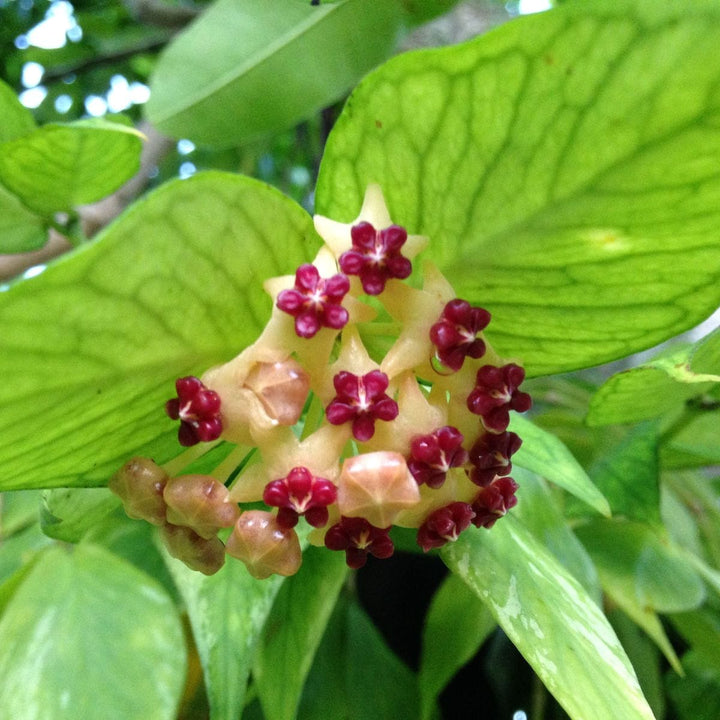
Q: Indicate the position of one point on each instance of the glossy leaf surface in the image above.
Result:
(95, 343)
(563, 186)
(550, 618)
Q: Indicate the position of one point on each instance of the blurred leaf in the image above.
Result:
(227, 612)
(697, 695)
(17, 120)
(456, 625)
(355, 675)
(95, 342)
(293, 631)
(564, 167)
(628, 475)
(68, 513)
(545, 454)
(701, 630)
(705, 357)
(649, 390)
(694, 444)
(539, 513)
(634, 563)
(58, 167)
(552, 621)
(20, 229)
(246, 68)
(68, 648)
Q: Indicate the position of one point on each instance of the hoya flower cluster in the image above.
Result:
(332, 433)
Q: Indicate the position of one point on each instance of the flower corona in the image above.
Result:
(341, 439)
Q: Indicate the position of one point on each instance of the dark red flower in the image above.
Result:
(494, 501)
(444, 525)
(358, 538)
(300, 493)
(490, 456)
(496, 393)
(361, 400)
(375, 256)
(455, 333)
(198, 410)
(431, 456)
(314, 302)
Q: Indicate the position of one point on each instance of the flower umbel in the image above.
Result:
(409, 431)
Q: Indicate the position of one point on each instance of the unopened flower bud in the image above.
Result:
(264, 546)
(376, 486)
(140, 484)
(206, 555)
(282, 388)
(201, 503)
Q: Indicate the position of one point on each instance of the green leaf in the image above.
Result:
(545, 454)
(293, 631)
(227, 612)
(697, 695)
(563, 166)
(68, 513)
(355, 675)
(218, 82)
(627, 475)
(58, 167)
(635, 563)
(552, 621)
(538, 511)
(456, 625)
(695, 444)
(17, 120)
(20, 229)
(95, 343)
(705, 357)
(69, 649)
(649, 390)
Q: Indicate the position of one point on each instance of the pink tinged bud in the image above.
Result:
(490, 456)
(454, 334)
(264, 545)
(140, 483)
(358, 538)
(315, 302)
(300, 493)
(444, 525)
(198, 410)
(205, 555)
(431, 456)
(361, 400)
(494, 501)
(496, 393)
(376, 486)
(282, 388)
(201, 503)
(375, 256)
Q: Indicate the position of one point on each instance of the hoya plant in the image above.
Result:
(224, 415)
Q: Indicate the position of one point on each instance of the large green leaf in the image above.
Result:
(70, 649)
(21, 229)
(293, 631)
(565, 168)
(94, 343)
(249, 67)
(227, 612)
(57, 167)
(550, 618)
